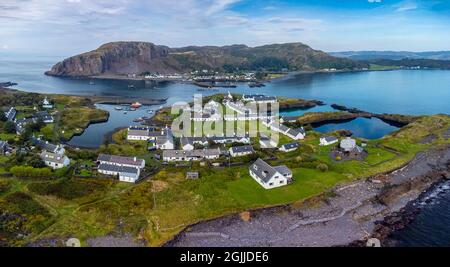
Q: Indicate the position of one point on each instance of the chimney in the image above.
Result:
(134, 158)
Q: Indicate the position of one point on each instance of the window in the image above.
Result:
(271, 184)
(281, 182)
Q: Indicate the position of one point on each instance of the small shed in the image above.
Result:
(192, 175)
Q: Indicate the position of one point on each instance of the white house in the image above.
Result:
(238, 151)
(296, 134)
(267, 142)
(125, 174)
(55, 161)
(121, 161)
(46, 103)
(328, 140)
(270, 177)
(49, 147)
(348, 144)
(138, 133)
(289, 147)
(127, 168)
(11, 113)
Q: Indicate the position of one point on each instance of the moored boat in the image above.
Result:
(136, 105)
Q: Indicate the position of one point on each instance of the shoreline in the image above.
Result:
(353, 213)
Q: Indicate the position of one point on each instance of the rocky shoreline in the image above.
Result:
(348, 215)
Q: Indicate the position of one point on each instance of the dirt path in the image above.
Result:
(348, 216)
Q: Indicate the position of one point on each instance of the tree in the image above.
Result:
(3, 116)
(322, 167)
(9, 127)
(36, 162)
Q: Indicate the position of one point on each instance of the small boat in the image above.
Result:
(91, 82)
(136, 105)
(119, 108)
(125, 112)
(138, 119)
(131, 109)
(130, 86)
(150, 111)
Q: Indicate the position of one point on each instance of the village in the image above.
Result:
(239, 148)
(162, 176)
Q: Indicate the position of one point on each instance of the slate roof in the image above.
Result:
(11, 113)
(263, 170)
(136, 132)
(242, 149)
(330, 138)
(115, 168)
(44, 145)
(52, 157)
(290, 145)
(283, 169)
(120, 160)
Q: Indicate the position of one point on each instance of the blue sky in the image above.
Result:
(65, 27)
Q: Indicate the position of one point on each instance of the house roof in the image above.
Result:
(136, 132)
(115, 168)
(52, 157)
(290, 145)
(120, 160)
(242, 149)
(330, 138)
(295, 132)
(263, 170)
(44, 145)
(283, 169)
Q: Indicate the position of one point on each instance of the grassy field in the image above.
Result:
(158, 208)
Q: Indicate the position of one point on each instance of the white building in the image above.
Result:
(138, 133)
(125, 174)
(270, 177)
(348, 144)
(328, 140)
(127, 168)
(295, 134)
(46, 103)
(289, 147)
(54, 161)
(239, 151)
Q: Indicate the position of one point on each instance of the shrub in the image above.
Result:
(30, 172)
(322, 167)
(338, 158)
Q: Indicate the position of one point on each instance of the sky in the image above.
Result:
(67, 27)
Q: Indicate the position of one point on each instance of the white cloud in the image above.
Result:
(374, 1)
(406, 6)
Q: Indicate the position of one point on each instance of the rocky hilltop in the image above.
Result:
(121, 58)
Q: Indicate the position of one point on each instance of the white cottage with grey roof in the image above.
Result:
(270, 177)
(328, 140)
(54, 161)
(289, 147)
(239, 151)
(127, 168)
